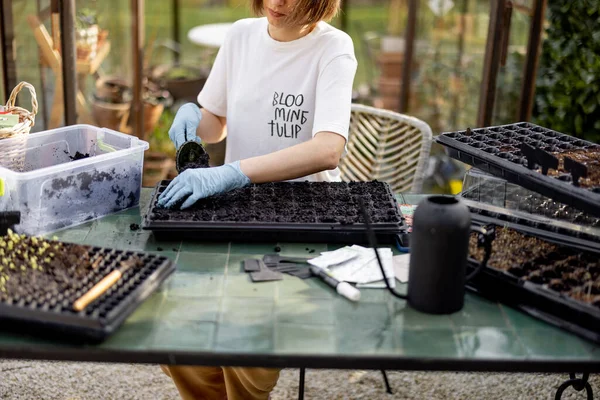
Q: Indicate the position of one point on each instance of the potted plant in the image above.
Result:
(111, 103)
(184, 82)
(86, 33)
(155, 98)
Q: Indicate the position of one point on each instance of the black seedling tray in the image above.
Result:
(52, 314)
(534, 286)
(283, 211)
(499, 150)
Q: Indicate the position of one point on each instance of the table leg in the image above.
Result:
(301, 384)
(578, 384)
(388, 388)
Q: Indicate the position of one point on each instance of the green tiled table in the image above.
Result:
(210, 313)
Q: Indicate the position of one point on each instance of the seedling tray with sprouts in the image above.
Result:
(284, 211)
(553, 276)
(562, 167)
(42, 280)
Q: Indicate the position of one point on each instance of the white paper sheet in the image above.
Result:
(328, 258)
(357, 264)
(401, 263)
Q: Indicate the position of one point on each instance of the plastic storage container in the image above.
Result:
(71, 175)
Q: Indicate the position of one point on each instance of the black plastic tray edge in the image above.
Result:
(537, 305)
(223, 227)
(142, 292)
(337, 237)
(551, 187)
(83, 328)
(564, 238)
(546, 303)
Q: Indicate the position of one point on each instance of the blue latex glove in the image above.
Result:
(198, 183)
(185, 124)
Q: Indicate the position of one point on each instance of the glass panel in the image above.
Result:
(366, 24)
(510, 75)
(447, 70)
(448, 63)
(104, 39)
(29, 65)
(2, 99)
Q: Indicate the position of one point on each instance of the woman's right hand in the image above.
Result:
(184, 125)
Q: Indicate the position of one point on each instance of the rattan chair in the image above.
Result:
(386, 146)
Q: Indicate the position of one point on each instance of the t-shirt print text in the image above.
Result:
(288, 117)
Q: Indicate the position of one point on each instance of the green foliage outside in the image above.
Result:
(85, 18)
(568, 85)
(159, 139)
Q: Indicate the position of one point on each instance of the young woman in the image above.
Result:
(280, 90)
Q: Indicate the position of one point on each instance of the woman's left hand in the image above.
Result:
(198, 183)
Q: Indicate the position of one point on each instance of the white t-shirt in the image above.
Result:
(279, 94)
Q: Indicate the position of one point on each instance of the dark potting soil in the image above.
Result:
(575, 274)
(48, 273)
(79, 156)
(201, 163)
(134, 227)
(95, 193)
(589, 158)
(290, 202)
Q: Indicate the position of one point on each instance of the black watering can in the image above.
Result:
(439, 253)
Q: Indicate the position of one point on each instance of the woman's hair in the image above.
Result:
(306, 12)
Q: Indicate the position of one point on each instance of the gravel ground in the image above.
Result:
(78, 381)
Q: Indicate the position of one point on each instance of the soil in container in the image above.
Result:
(575, 274)
(201, 163)
(588, 157)
(79, 156)
(98, 191)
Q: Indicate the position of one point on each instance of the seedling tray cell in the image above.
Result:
(549, 275)
(283, 211)
(38, 298)
(520, 153)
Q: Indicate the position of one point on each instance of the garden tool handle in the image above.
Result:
(101, 287)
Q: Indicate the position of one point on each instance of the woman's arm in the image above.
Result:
(321, 153)
(212, 128)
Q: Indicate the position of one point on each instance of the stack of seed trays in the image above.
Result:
(41, 282)
(284, 211)
(553, 276)
(556, 165)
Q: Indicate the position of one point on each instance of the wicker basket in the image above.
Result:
(13, 155)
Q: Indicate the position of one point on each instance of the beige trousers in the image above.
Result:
(220, 383)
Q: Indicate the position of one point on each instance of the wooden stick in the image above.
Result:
(99, 288)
